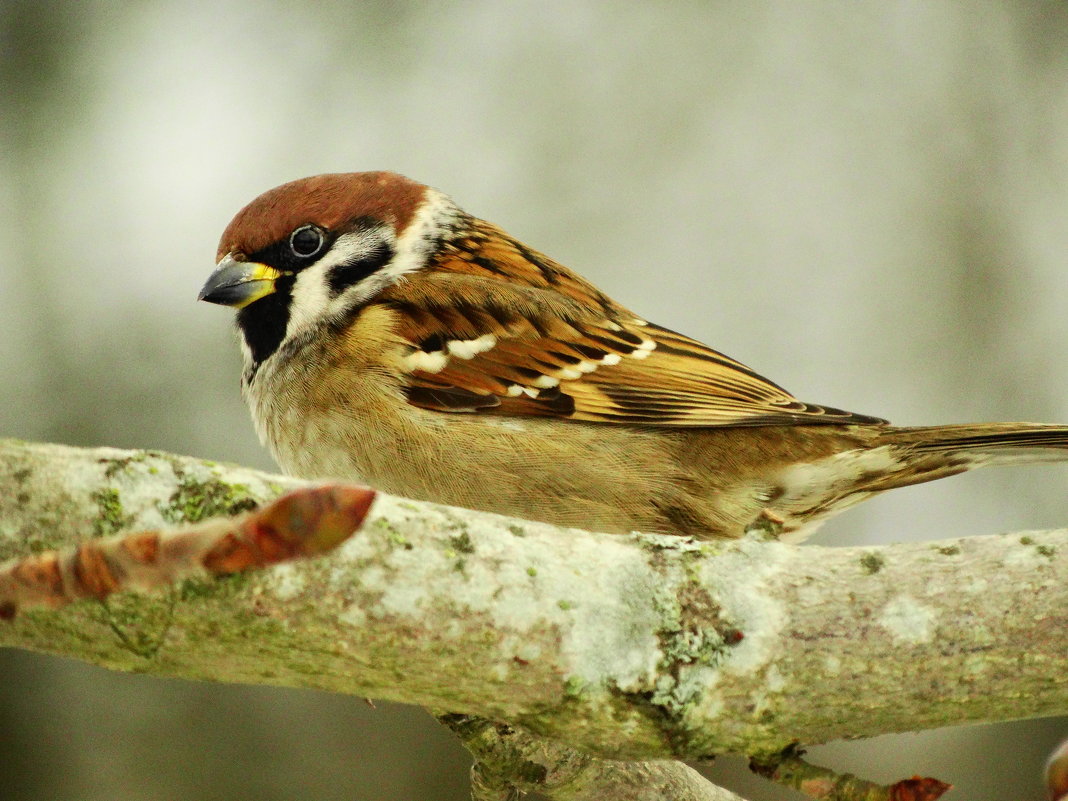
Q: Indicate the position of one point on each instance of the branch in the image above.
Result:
(639, 647)
(510, 762)
(307, 523)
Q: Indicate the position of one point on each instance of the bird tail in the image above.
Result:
(957, 448)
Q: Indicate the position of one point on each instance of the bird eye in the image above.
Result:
(306, 241)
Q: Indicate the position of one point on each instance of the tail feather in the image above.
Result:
(899, 457)
(1016, 439)
(935, 452)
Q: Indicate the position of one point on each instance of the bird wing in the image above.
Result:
(474, 343)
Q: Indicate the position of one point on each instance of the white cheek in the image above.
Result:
(309, 299)
(312, 302)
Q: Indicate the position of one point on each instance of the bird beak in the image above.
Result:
(238, 283)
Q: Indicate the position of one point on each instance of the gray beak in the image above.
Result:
(238, 283)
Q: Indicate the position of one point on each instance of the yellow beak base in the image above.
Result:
(239, 283)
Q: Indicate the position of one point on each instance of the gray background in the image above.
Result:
(865, 201)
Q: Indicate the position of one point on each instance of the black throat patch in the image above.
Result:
(263, 323)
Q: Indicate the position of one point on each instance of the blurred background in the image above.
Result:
(865, 201)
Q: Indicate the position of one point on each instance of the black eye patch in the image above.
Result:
(354, 270)
(302, 248)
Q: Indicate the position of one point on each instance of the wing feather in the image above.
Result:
(474, 341)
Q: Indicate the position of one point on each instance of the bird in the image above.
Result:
(390, 337)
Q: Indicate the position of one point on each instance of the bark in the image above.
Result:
(637, 647)
(509, 762)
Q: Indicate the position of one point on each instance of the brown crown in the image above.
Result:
(329, 200)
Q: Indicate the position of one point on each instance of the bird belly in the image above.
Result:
(595, 477)
(613, 478)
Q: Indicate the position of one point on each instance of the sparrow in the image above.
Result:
(390, 337)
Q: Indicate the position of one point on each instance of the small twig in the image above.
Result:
(823, 784)
(510, 762)
(304, 523)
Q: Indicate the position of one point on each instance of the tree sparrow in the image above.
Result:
(392, 338)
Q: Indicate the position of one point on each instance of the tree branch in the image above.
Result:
(638, 647)
(510, 762)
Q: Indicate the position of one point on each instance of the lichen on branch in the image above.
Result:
(628, 647)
